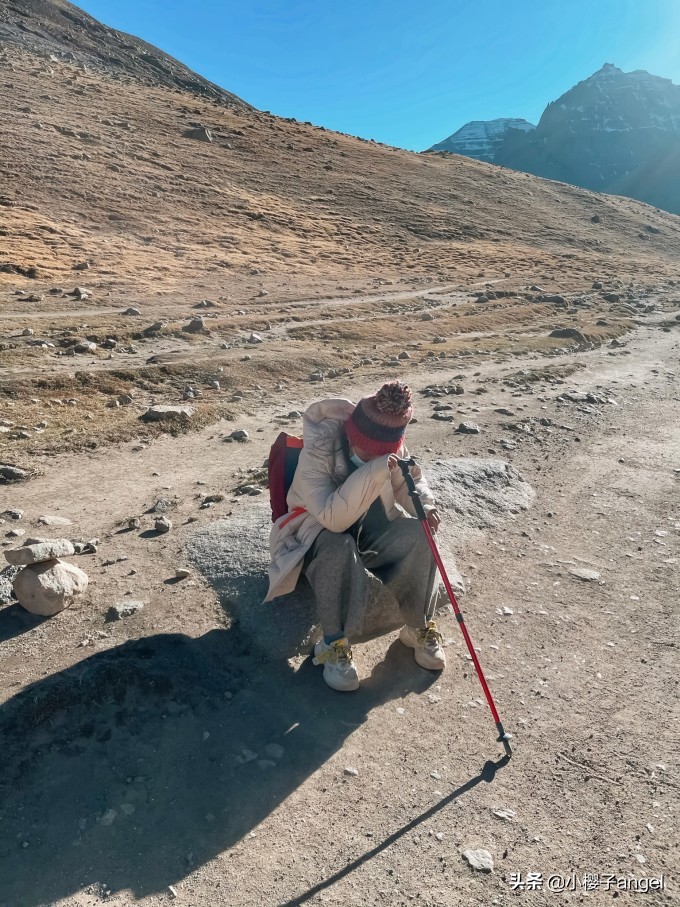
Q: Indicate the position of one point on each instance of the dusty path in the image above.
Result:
(584, 673)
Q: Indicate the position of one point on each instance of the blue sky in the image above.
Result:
(405, 73)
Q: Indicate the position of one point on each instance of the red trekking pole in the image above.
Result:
(503, 736)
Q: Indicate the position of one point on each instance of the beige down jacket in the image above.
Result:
(333, 498)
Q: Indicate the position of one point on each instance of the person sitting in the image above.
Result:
(349, 509)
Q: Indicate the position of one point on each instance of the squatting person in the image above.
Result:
(348, 508)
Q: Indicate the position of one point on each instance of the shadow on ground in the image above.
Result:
(14, 621)
(135, 766)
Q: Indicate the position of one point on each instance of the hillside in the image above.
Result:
(128, 192)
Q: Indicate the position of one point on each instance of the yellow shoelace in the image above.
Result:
(430, 635)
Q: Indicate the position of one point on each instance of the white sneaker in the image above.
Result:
(427, 645)
(339, 671)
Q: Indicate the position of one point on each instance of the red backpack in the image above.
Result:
(283, 461)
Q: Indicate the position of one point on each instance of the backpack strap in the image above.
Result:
(291, 516)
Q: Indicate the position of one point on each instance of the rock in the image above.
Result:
(240, 435)
(124, 609)
(214, 385)
(249, 489)
(427, 316)
(162, 505)
(254, 338)
(350, 771)
(11, 514)
(473, 495)
(505, 814)
(404, 355)
(168, 414)
(49, 520)
(109, 344)
(200, 133)
(584, 573)
(163, 524)
(9, 473)
(15, 533)
(131, 310)
(80, 293)
(7, 576)
(82, 266)
(481, 860)
(182, 573)
(195, 326)
(85, 346)
(49, 587)
(39, 553)
(468, 428)
(213, 499)
(569, 334)
(124, 400)
(154, 328)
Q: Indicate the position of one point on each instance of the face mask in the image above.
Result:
(356, 460)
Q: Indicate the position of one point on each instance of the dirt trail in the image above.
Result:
(581, 671)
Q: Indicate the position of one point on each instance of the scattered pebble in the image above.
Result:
(124, 609)
(506, 814)
(480, 860)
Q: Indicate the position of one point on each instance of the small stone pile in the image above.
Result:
(46, 585)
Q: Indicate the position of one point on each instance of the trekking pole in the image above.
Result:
(503, 736)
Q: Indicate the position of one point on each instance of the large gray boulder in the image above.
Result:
(233, 554)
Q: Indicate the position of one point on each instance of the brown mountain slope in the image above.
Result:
(100, 188)
(57, 28)
(95, 166)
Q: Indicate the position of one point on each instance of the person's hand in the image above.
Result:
(392, 462)
(433, 520)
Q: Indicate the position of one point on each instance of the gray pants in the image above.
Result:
(399, 555)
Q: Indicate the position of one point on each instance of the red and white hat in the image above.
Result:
(378, 423)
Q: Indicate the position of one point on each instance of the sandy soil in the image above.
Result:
(159, 714)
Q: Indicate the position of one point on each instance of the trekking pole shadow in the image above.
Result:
(487, 774)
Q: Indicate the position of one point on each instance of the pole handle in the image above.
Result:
(411, 486)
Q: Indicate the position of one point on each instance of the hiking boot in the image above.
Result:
(427, 645)
(339, 671)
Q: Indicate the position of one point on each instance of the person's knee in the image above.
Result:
(340, 544)
(415, 533)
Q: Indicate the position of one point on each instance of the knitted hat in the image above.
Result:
(378, 423)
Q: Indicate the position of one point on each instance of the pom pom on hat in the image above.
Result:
(378, 422)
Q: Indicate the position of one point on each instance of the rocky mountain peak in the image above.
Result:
(481, 139)
(615, 132)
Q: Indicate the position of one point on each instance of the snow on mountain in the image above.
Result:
(481, 139)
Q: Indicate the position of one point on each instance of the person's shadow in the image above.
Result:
(142, 762)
